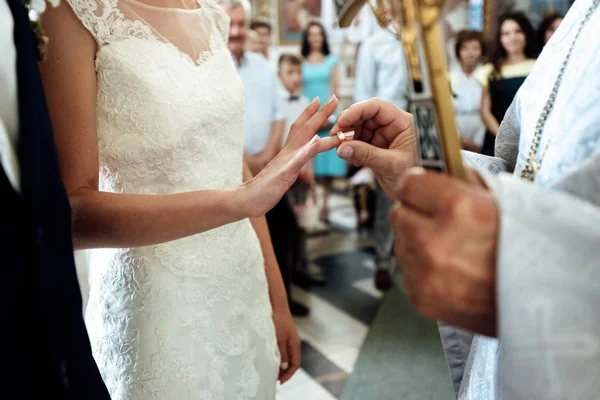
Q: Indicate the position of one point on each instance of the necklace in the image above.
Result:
(533, 163)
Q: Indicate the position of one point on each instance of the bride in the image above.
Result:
(186, 300)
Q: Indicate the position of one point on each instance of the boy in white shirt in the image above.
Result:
(292, 104)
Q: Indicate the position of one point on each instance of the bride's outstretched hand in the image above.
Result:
(264, 191)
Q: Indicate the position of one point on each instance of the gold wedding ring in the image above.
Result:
(345, 135)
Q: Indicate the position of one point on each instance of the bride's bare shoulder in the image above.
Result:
(66, 32)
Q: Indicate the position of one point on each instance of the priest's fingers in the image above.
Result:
(435, 193)
(426, 191)
(313, 124)
(363, 154)
(413, 234)
(414, 248)
(374, 114)
(308, 112)
(328, 143)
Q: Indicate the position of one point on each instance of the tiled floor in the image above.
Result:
(340, 312)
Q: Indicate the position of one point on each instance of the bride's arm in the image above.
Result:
(277, 294)
(288, 340)
(103, 219)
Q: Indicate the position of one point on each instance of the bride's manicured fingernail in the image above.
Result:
(331, 99)
(314, 100)
(314, 139)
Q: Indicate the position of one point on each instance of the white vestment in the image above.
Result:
(548, 265)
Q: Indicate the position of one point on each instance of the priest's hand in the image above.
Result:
(445, 240)
(383, 140)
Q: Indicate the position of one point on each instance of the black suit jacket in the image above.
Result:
(45, 348)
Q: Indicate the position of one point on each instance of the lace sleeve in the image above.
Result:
(485, 163)
(87, 11)
(106, 22)
(507, 141)
(507, 145)
(220, 19)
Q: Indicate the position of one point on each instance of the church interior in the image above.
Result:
(220, 219)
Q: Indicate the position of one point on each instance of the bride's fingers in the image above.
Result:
(285, 362)
(328, 143)
(294, 359)
(303, 155)
(310, 127)
(311, 149)
(308, 112)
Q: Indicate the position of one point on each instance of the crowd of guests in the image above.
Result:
(484, 91)
(483, 88)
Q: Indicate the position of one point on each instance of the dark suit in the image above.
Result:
(46, 349)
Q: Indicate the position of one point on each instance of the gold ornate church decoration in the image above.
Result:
(417, 24)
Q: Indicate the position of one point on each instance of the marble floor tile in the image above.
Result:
(345, 358)
(367, 285)
(304, 388)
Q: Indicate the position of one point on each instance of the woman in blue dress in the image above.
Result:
(320, 78)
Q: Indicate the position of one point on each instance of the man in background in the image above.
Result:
(263, 29)
(381, 72)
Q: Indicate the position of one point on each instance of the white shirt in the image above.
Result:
(467, 101)
(9, 117)
(381, 70)
(291, 110)
(262, 103)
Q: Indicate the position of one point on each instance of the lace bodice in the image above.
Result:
(161, 103)
(191, 318)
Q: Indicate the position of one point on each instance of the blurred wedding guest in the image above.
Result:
(253, 44)
(293, 102)
(264, 120)
(381, 72)
(298, 13)
(264, 131)
(547, 28)
(263, 29)
(46, 342)
(320, 78)
(538, 10)
(466, 90)
(513, 58)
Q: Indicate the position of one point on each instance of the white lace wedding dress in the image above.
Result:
(188, 319)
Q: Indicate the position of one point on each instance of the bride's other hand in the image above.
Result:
(262, 192)
(288, 342)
